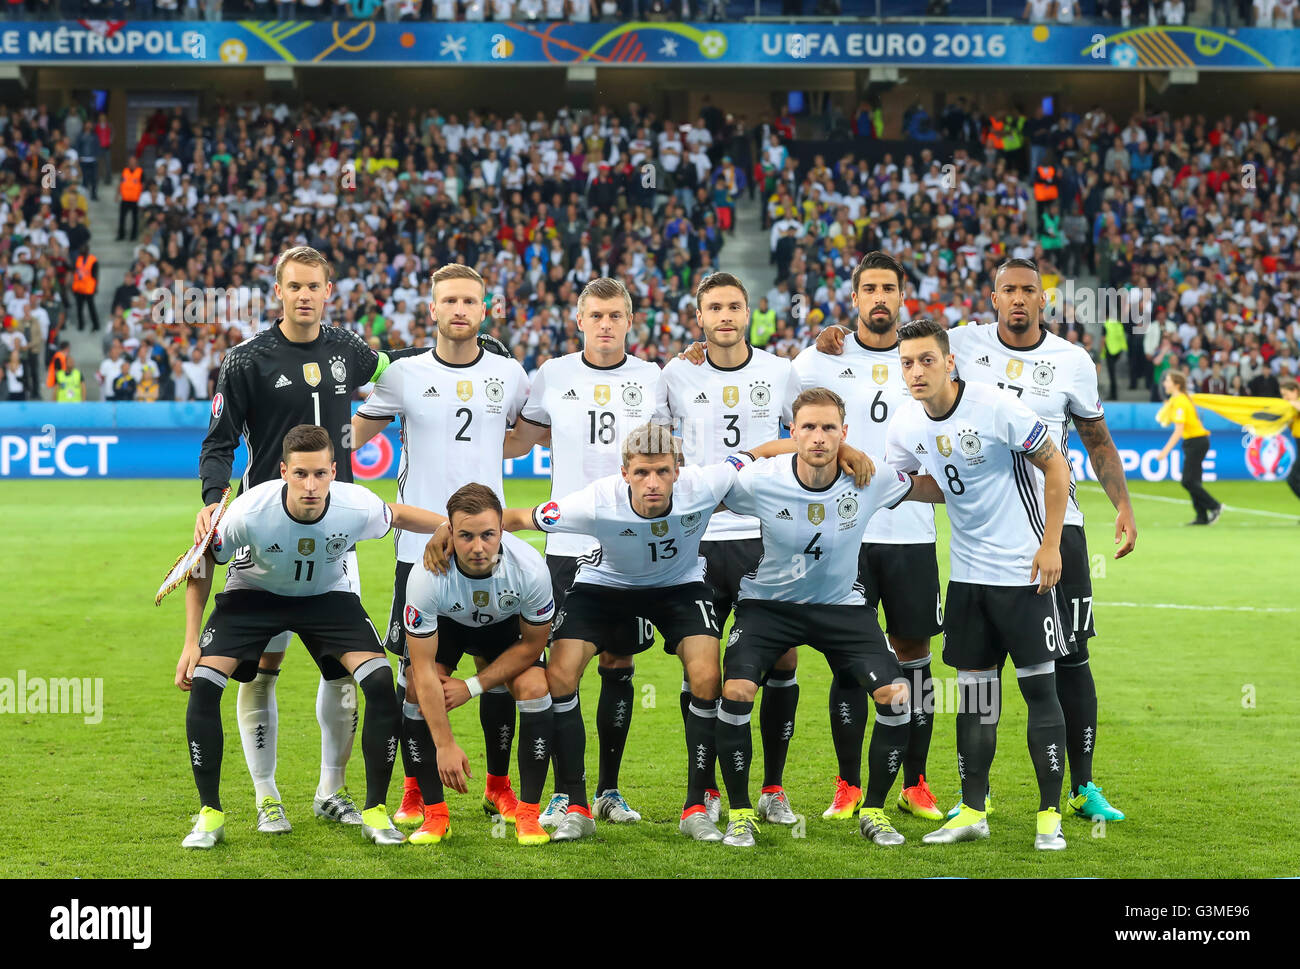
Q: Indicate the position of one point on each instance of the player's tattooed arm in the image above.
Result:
(521, 438)
(1101, 449)
(1046, 569)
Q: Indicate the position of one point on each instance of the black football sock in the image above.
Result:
(419, 756)
(1078, 695)
(849, 706)
(735, 749)
(684, 699)
(569, 743)
(776, 723)
(920, 687)
(613, 721)
(700, 739)
(536, 734)
(381, 729)
(496, 713)
(203, 731)
(889, 738)
(977, 733)
(1046, 731)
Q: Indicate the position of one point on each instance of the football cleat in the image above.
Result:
(713, 805)
(1091, 803)
(500, 801)
(967, 825)
(411, 810)
(376, 827)
(527, 829)
(696, 824)
(846, 803)
(1213, 514)
(612, 807)
(575, 826)
(919, 801)
(209, 829)
(741, 828)
(1049, 837)
(774, 808)
(436, 826)
(270, 817)
(339, 807)
(556, 808)
(874, 825)
(956, 808)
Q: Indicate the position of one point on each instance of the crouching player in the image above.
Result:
(494, 603)
(293, 537)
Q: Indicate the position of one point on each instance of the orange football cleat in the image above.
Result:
(528, 830)
(437, 825)
(918, 800)
(847, 801)
(412, 808)
(499, 798)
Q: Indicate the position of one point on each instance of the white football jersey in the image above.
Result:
(278, 553)
(519, 585)
(635, 552)
(454, 420)
(1055, 378)
(589, 410)
(872, 386)
(811, 537)
(976, 453)
(716, 410)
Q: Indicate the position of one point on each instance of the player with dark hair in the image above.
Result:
(290, 542)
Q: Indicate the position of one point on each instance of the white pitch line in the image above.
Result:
(1178, 605)
(1184, 501)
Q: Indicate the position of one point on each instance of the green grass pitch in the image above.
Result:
(1199, 719)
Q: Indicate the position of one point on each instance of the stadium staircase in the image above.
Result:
(114, 259)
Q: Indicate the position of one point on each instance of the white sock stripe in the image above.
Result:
(686, 686)
(735, 719)
(778, 684)
(412, 711)
(498, 689)
(1038, 669)
(211, 675)
(537, 705)
(371, 666)
(401, 676)
(708, 713)
(916, 664)
(894, 719)
(564, 706)
(975, 676)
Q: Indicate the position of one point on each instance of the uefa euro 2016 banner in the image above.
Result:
(100, 440)
(636, 44)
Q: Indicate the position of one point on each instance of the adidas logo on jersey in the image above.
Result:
(846, 372)
(627, 531)
(570, 396)
(271, 548)
(457, 608)
(282, 382)
(431, 392)
(984, 362)
(920, 449)
(784, 515)
(702, 398)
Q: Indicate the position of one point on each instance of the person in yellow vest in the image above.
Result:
(85, 283)
(69, 387)
(129, 190)
(762, 326)
(147, 389)
(1115, 343)
(1290, 390)
(1180, 410)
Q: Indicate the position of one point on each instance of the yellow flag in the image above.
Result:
(1264, 416)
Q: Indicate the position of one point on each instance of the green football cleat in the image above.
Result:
(956, 808)
(1090, 803)
(1049, 837)
(209, 829)
(967, 825)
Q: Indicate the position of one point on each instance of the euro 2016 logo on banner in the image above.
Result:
(817, 513)
(731, 396)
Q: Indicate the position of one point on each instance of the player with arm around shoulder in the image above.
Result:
(294, 536)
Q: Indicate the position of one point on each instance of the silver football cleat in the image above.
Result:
(383, 836)
(339, 807)
(967, 832)
(875, 827)
(271, 818)
(713, 806)
(574, 827)
(774, 808)
(699, 827)
(200, 838)
(740, 832)
(1051, 840)
(613, 807)
(555, 811)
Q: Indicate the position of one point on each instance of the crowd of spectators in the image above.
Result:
(1187, 224)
